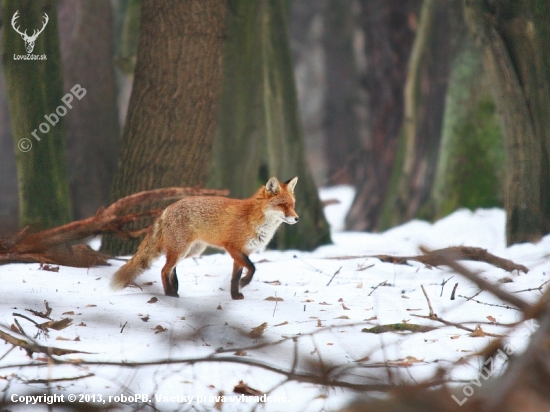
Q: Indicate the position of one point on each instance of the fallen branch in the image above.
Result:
(56, 245)
(32, 347)
(438, 258)
(456, 325)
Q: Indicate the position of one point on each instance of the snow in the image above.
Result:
(328, 296)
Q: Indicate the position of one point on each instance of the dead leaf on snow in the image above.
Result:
(274, 299)
(342, 317)
(153, 300)
(282, 324)
(258, 331)
(243, 388)
(49, 268)
(159, 329)
(56, 324)
(61, 338)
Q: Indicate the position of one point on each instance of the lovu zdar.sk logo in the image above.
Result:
(29, 40)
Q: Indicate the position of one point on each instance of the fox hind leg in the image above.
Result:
(169, 276)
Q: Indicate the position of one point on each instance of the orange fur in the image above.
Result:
(240, 226)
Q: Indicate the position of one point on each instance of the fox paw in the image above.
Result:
(237, 296)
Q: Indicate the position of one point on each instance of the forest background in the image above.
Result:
(423, 106)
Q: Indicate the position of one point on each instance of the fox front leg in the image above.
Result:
(235, 277)
(240, 261)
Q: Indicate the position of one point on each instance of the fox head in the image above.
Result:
(281, 199)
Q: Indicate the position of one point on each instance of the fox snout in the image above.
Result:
(291, 219)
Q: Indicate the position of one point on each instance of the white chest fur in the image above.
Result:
(265, 231)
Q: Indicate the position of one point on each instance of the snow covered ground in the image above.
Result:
(314, 305)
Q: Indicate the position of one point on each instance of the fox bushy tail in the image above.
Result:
(149, 249)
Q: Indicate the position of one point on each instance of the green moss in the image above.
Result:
(475, 170)
(398, 327)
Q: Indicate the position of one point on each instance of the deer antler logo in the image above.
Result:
(29, 40)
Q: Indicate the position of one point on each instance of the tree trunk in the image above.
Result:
(308, 55)
(128, 18)
(285, 150)
(471, 162)
(92, 125)
(424, 105)
(389, 28)
(515, 38)
(8, 171)
(259, 131)
(35, 90)
(239, 142)
(171, 121)
(341, 125)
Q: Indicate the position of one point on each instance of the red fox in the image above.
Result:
(240, 226)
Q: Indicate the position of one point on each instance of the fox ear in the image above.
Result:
(291, 184)
(272, 186)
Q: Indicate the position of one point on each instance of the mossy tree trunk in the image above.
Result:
(172, 112)
(515, 37)
(471, 168)
(35, 90)
(259, 130)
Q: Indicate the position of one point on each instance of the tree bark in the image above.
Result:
(171, 120)
(259, 130)
(35, 89)
(389, 28)
(514, 36)
(91, 126)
